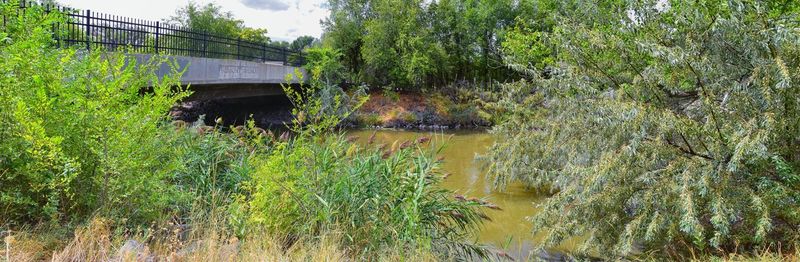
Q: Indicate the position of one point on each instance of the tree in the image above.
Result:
(210, 18)
(668, 124)
(398, 48)
(412, 44)
(488, 19)
(344, 29)
(303, 42)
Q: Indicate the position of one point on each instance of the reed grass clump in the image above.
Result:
(375, 197)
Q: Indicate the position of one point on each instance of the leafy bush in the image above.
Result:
(671, 126)
(321, 104)
(369, 119)
(394, 96)
(76, 133)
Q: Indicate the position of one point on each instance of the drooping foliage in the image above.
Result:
(671, 124)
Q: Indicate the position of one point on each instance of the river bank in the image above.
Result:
(435, 110)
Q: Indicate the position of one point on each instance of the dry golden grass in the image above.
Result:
(766, 256)
(98, 242)
(21, 247)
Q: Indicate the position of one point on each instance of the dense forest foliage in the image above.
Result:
(660, 126)
(412, 44)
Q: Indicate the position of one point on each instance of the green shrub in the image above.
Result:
(394, 96)
(369, 119)
(462, 114)
(76, 133)
(214, 164)
(321, 104)
(409, 117)
(376, 198)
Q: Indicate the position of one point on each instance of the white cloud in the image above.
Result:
(273, 5)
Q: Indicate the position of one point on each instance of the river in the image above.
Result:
(509, 228)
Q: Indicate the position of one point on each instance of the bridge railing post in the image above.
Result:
(88, 30)
(239, 48)
(264, 53)
(283, 56)
(158, 29)
(205, 45)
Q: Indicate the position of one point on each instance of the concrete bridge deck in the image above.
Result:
(212, 78)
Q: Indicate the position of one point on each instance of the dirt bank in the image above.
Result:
(411, 110)
(403, 110)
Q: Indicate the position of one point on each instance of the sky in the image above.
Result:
(283, 19)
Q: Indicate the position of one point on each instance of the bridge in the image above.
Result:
(215, 66)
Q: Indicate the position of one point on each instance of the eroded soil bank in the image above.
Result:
(411, 110)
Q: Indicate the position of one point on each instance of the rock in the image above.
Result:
(555, 256)
(131, 246)
(284, 136)
(202, 130)
(176, 113)
(133, 249)
(552, 256)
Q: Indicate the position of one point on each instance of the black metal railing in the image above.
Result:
(92, 30)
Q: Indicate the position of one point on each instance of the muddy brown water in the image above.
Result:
(509, 229)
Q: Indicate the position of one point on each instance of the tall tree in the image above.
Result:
(302, 42)
(410, 44)
(344, 30)
(213, 19)
(398, 47)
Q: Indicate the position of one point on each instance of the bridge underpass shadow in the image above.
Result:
(268, 111)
